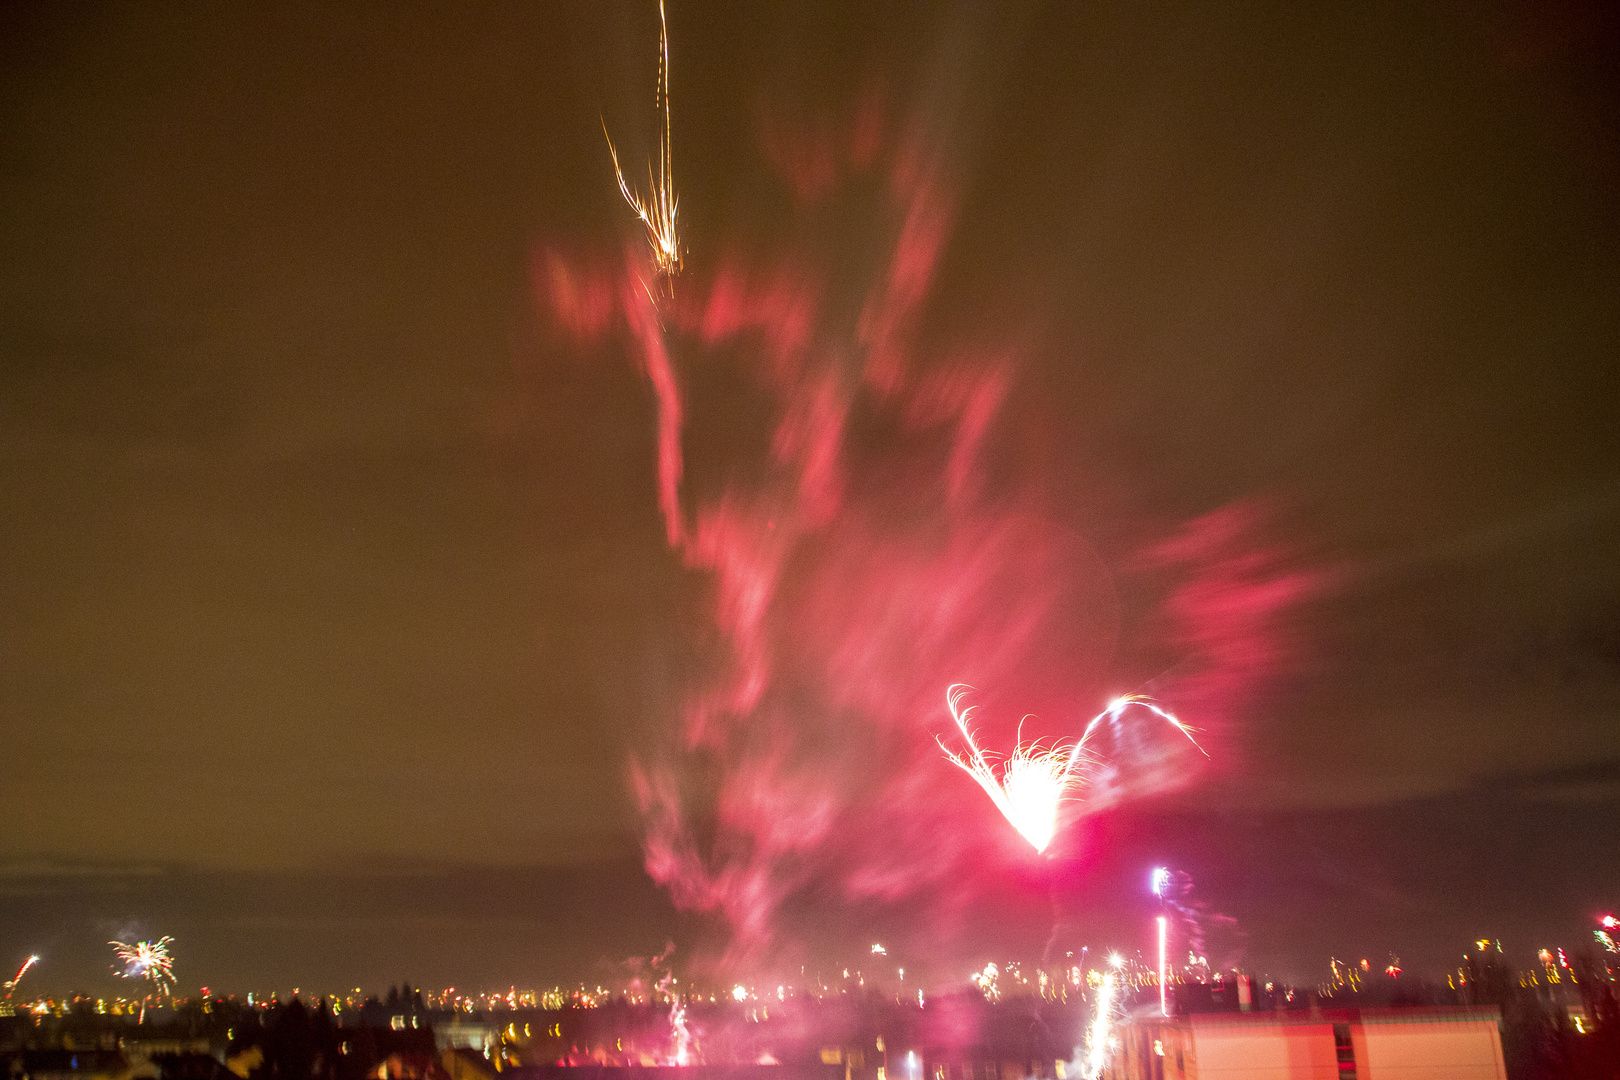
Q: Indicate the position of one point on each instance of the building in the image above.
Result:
(1432, 1043)
(72, 1065)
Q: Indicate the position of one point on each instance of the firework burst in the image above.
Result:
(657, 211)
(1036, 779)
(148, 960)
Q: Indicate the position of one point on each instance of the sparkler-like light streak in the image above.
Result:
(657, 213)
(1161, 882)
(680, 1032)
(1101, 1032)
(17, 978)
(1164, 965)
(1037, 778)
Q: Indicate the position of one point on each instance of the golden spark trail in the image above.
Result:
(657, 213)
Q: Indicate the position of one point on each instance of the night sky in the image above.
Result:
(338, 614)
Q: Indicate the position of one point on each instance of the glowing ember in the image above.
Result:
(1035, 779)
(657, 213)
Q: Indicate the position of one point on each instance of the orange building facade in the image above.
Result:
(1326, 1044)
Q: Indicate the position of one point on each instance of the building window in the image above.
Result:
(1346, 1051)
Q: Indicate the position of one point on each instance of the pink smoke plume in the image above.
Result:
(864, 559)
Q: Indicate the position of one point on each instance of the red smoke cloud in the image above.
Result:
(867, 564)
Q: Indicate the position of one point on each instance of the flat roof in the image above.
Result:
(1398, 1014)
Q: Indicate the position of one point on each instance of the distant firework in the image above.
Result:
(1035, 779)
(148, 960)
(17, 978)
(657, 213)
